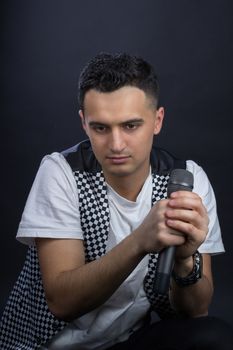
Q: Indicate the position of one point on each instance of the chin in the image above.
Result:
(118, 172)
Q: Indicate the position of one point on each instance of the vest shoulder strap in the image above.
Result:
(162, 161)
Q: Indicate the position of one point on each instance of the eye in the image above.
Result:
(132, 126)
(99, 128)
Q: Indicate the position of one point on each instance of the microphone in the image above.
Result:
(180, 180)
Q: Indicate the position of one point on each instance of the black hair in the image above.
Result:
(107, 73)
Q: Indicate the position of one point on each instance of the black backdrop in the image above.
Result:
(45, 43)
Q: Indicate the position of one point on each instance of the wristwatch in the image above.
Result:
(194, 275)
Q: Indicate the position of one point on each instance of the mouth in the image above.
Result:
(118, 159)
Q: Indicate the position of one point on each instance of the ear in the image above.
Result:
(158, 120)
(83, 120)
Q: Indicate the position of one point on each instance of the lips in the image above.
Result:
(118, 160)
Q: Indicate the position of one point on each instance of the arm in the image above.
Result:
(192, 300)
(74, 288)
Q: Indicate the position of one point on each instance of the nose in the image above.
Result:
(117, 142)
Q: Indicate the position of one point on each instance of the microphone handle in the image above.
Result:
(181, 180)
(164, 268)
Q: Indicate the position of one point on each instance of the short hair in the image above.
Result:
(107, 73)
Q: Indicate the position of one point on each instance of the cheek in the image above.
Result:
(140, 147)
(144, 140)
(98, 146)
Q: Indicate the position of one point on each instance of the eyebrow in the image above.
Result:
(133, 121)
(128, 121)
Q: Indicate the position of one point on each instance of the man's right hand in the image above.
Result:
(154, 234)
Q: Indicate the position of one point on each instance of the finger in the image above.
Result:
(188, 194)
(170, 237)
(191, 216)
(192, 232)
(188, 209)
(191, 202)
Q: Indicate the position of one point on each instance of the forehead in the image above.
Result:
(126, 100)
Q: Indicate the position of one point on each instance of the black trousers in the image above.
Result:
(202, 333)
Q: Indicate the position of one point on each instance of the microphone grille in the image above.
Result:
(182, 177)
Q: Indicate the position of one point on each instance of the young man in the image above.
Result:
(97, 217)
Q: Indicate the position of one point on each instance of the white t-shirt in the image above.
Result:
(52, 211)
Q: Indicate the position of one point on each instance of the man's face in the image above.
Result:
(121, 126)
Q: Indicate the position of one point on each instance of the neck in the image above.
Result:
(128, 186)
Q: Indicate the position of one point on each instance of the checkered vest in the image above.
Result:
(27, 322)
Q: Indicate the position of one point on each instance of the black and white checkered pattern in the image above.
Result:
(27, 322)
(94, 212)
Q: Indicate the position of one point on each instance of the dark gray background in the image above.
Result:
(44, 44)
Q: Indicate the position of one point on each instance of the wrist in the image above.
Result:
(193, 276)
(138, 243)
(183, 267)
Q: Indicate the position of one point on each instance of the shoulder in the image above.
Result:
(55, 171)
(54, 160)
(202, 185)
